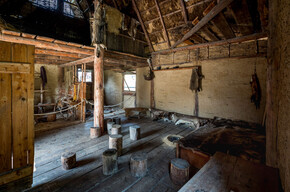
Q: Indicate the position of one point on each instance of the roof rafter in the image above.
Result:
(165, 33)
(216, 10)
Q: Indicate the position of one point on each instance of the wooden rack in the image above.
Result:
(179, 68)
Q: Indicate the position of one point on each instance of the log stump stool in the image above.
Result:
(117, 120)
(68, 160)
(109, 126)
(135, 132)
(138, 164)
(95, 132)
(116, 142)
(179, 171)
(116, 129)
(110, 161)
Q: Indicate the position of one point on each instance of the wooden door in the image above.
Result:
(16, 112)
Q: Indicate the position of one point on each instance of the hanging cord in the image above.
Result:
(110, 106)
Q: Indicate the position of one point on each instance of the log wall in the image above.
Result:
(278, 81)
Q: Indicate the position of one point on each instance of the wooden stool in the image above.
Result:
(106, 124)
(179, 171)
(135, 132)
(110, 161)
(109, 126)
(116, 142)
(138, 164)
(68, 160)
(116, 129)
(95, 132)
(117, 120)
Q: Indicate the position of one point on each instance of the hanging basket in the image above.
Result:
(149, 76)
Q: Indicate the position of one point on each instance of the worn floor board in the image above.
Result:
(87, 176)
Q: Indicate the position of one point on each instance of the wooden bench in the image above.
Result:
(229, 173)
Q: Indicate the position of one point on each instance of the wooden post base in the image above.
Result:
(116, 129)
(110, 161)
(68, 160)
(135, 132)
(138, 164)
(95, 132)
(117, 120)
(109, 126)
(179, 171)
(116, 142)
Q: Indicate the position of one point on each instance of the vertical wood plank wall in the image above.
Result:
(16, 112)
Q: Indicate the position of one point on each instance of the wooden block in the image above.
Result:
(138, 165)
(135, 132)
(14, 33)
(116, 129)
(68, 160)
(117, 120)
(110, 161)
(179, 171)
(44, 38)
(109, 126)
(116, 142)
(27, 35)
(95, 132)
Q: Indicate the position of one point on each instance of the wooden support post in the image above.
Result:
(99, 89)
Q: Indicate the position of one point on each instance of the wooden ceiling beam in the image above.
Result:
(177, 11)
(78, 62)
(165, 33)
(57, 53)
(142, 25)
(45, 45)
(184, 11)
(254, 36)
(220, 22)
(216, 10)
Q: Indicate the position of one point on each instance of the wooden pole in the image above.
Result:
(99, 89)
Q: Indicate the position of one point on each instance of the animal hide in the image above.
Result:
(195, 81)
(256, 90)
(43, 76)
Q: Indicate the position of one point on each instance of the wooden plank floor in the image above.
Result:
(88, 176)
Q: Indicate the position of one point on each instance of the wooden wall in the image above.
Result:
(16, 112)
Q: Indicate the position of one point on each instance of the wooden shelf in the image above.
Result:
(179, 68)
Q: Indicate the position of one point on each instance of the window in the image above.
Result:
(89, 77)
(129, 82)
(71, 9)
(47, 4)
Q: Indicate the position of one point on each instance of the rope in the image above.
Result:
(110, 106)
(60, 111)
(51, 113)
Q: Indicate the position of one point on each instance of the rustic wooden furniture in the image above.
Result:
(116, 129)
(110, 161)
(109, 126)
(229, 173)
(179, 171)
(135, 133)
(138, 164)
(68, 160)
(116, 142)
(16, 113)
(95, 132)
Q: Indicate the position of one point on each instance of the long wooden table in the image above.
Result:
(232, 174)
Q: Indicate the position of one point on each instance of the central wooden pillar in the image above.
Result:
(99, 89)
